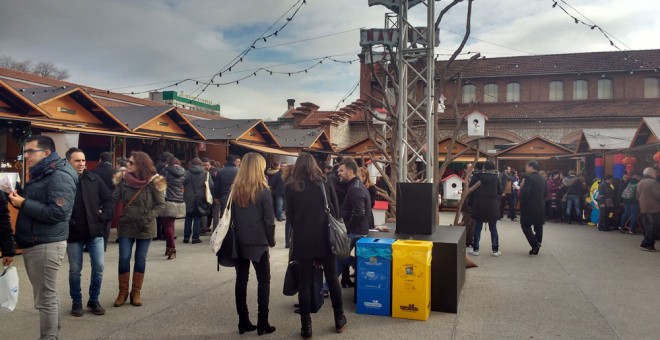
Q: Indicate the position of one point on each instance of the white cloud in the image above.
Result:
(110, 44)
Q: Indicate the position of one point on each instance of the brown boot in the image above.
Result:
(123, 289)
(137, 286)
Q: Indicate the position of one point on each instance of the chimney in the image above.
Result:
(291, 103)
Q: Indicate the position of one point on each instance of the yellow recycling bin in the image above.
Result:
(411, 279)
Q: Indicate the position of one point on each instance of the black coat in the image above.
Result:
(309, 222)
(194, 193)
(174, 175)
(485, 201)
(99, 208)
(356, 209)
(532, 200)
(44, 216)
(275, 182)
(255, 226)
(226, 177)
(6, 234)
(106, 172)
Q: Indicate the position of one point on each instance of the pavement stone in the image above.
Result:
(584, 284)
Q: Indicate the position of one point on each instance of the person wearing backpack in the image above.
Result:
(631, 206)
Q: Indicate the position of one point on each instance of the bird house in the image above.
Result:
(452, 187)
(476, 124)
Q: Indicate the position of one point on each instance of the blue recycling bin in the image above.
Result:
(374, 276)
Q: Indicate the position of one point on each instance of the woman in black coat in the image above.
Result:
(254, 223)
(175, 207)
(306, 210)
(484, 204)
(6, 234)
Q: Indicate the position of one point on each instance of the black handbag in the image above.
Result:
(317, 289)
(340, 244)
(228, 253)
(291, 279)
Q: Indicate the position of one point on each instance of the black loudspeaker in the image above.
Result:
(416, 208)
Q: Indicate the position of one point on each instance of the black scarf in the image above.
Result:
(39, 169)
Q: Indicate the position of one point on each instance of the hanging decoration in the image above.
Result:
(599, 167)
(629, 162)
(656, 158)
(619, 166)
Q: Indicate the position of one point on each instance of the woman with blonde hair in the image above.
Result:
(254, 223)
(363, 173)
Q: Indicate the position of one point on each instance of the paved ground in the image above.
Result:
(584, 284)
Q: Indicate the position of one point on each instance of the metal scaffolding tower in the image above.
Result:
(414, 48)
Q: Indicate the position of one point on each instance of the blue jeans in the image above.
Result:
(74, 251)
(125, 251)
(631, 212)
(195, 221)
(345, 263)
(494, 238)
(573, 201)
(278, 201)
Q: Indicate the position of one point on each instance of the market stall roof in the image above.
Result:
(243, 130)
(307, 139)
(64, 105)
(165, 121)
(467, 156)
(13, 101)
(538, 148)
(647, 133)
(361, 146)
(605, 139)
(264, 149)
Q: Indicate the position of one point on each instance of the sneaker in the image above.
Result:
(186, 240)
(474, 252)
(196, 240)
(497, 253)
(76, 309)
(647, 248)
(95, 307)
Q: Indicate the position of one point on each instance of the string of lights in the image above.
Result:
(592, 25)
(308, 39)
(253, 73)
(350, 93)
(263, 37)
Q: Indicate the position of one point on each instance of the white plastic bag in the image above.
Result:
(8, 289)
(223, 226)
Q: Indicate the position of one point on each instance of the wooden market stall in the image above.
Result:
(536, 148)
(314, 141)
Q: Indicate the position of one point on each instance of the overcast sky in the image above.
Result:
(122, 45)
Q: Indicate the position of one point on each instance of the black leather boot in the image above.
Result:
(245, 325)
(306, 328)
(263, 327)
(340, 320)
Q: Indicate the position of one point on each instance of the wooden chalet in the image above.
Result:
(540, 149)
(314, 141)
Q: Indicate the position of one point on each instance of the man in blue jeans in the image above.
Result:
(92, 209)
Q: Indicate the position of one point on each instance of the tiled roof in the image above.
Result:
(560, 63)
(314, 118)
(288, 114)
(228, 129)
(575, 109)
(134, 116)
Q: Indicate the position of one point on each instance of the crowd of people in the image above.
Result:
(65, 209)
(630, 204)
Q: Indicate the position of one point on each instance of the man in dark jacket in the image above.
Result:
(225, 177)
(355, 210)
(507, 178)
(484, 203)
(648, 194)
(532, 206)
(42, 225)
(6, 234)
(92, 210)
(106, 171)
(214, 214)
(574, 191)
(194, 194)
(276, 184)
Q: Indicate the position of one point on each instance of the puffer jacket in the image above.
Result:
(174, 175)
(195, 190)
(44, 216)
(139, 219)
